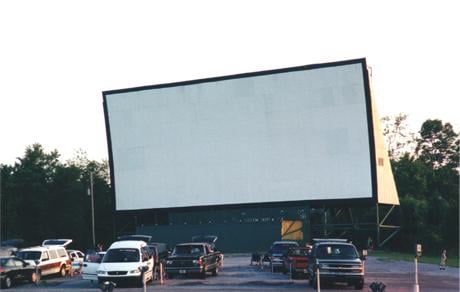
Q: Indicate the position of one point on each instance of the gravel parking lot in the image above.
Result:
(238, 275)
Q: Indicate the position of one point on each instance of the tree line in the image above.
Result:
(426, 170)
(42, 197)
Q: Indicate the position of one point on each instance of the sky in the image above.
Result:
(57, 57)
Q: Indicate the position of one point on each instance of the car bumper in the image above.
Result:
(134, 279)
(183, 270)
(349, 278)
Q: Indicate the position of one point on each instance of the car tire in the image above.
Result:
(359, 285)
(34, 277)
(314, 283)
(62, 271)
(7, 283)
(215, 271)
(141, 280)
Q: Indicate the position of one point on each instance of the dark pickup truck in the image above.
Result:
(193, 258)
(336, 260)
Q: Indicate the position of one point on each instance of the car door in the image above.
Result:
(20, 269)
(91, 263)
(12, 270)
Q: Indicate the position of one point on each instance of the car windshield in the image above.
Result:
(3, 261)
(188, 249)
(327, 251)
(118, 255)
(29, 255)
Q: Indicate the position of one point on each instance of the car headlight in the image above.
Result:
(134, 271)
(169, 262)
(101, 272)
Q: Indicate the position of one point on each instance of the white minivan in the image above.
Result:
(128, 261)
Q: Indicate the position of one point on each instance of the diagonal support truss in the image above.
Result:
(344, 222)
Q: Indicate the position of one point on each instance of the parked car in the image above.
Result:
(91, 263)
(14, 270)
(127, 261)
(159, 251)
(296, 262)
(193, 258)
(211, 240)
(145, 238)
(278, 251)
(337, 261)
(52, 259)
(77, 258)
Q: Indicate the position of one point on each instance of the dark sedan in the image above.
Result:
(14, 270)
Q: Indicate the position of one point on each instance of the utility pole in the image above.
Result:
(1, 166)
(91, 193)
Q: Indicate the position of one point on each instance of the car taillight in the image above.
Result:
(2, 269)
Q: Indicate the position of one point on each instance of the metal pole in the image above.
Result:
(416, 287)
(378, 225)
(92, 207)
(161, 273)
(1, 166)
(318, 281)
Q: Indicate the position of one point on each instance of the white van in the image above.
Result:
(50, 260)
(125, 262)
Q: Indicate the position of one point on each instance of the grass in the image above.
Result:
(452, 261)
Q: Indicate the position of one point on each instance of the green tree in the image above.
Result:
(399, 140)
(438, 145)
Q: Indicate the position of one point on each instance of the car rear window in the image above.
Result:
(188, 249)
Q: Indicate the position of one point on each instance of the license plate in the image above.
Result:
(182, 272)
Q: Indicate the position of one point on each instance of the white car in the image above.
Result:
(91, 263)
(77, 258)
(49, 259)
(127, 261)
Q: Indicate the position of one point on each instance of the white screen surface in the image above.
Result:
(291, 136)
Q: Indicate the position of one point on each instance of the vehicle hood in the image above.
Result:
(31, 263)
(118, 266)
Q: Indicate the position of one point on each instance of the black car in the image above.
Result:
(14, 270)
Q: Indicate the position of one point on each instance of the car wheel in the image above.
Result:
(7, 282)
(34, 278)
(141, 280)
(62, 271)
(215, 271)
(359, 285)
(314, 283)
